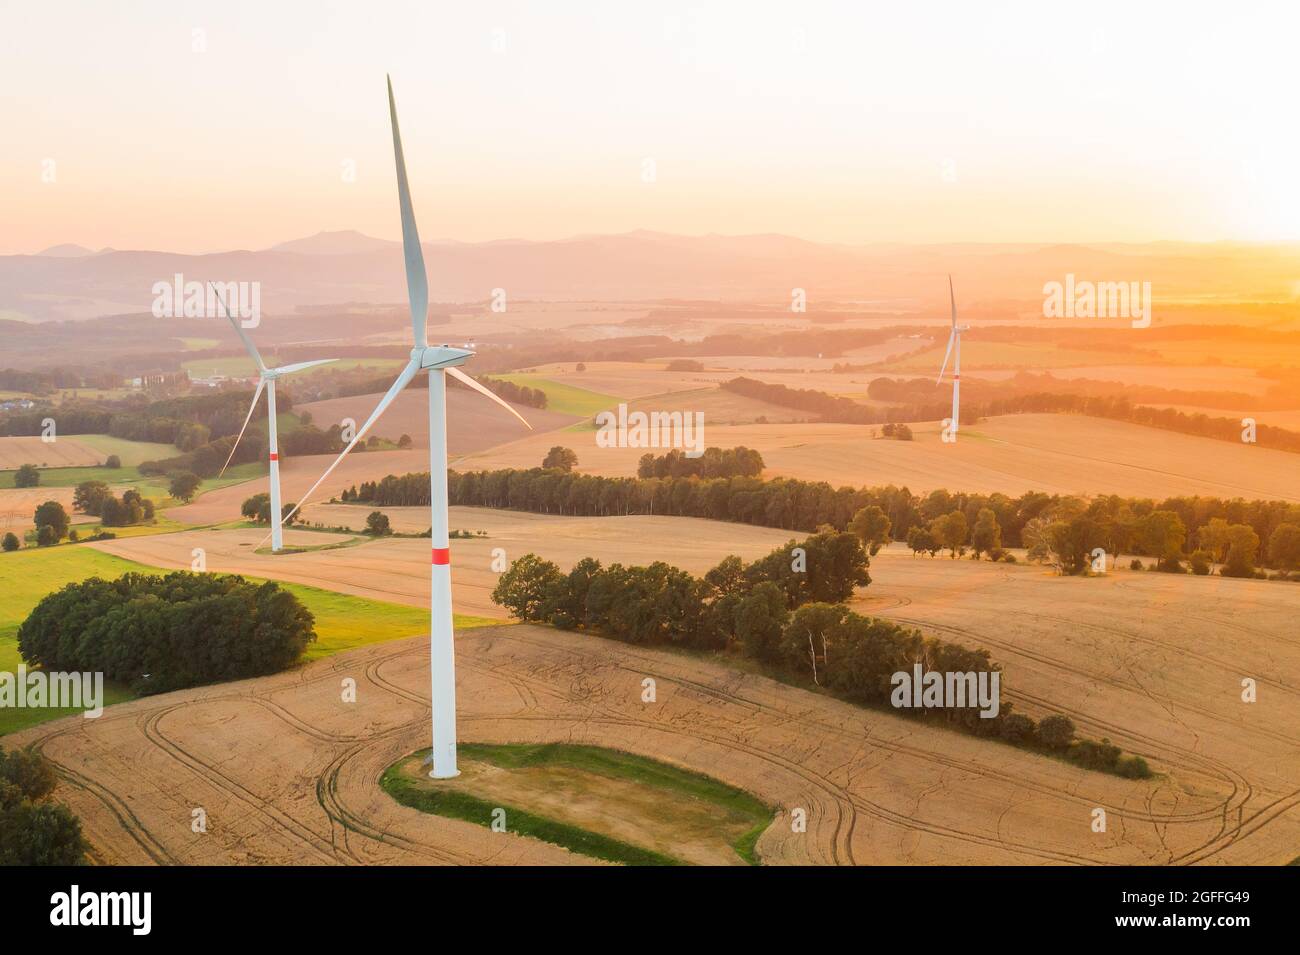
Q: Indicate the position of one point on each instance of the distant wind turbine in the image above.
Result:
(439, 361)
(266, 378)
(954, 352)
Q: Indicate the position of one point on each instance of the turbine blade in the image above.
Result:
(946, 356)
(402, 381)
(261, 383)
(467, 380)
(953, 298)
(248, 343)
(417, 280)
(299, 366)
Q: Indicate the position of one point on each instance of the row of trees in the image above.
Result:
(96, 499)
(837, 409)
(1056, 528)
(510, 391)
(784, 611)
(169, 632)
(713, 463)
(1121, 409)
(258, 509)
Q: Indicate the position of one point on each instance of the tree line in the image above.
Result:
(1048, 525)
(1119, 408)
(836, 409)
(713, 463)
(786, 612)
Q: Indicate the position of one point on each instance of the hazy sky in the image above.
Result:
(849, 122)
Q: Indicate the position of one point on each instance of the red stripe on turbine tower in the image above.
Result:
(441, 555)
(274, 456)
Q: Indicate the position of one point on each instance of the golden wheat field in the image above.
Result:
(1064, 454)
(296, 783)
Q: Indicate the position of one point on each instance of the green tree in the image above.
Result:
(528, 587)
(27, 476)
(950, 530)
(872, 525)
(565, 459)
(11, 542)
(113, 462)
(254, 507)
(89, 497)
(184, 485)
(1161, 534)
(760, 617)
(52, 514)
(806, 639)
(377, 524)
(1213, 538)
(1056, 731)
(986, 537)
(1284, 547)
(46, 536)
(1243, 546)
(921, 541)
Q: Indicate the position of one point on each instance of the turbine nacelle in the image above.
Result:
(439, 356)
(271, 374)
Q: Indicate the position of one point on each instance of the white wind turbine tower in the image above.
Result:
(439, 361)
(954, 352)
(266, 378)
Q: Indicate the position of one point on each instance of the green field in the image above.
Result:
(740, 817)
(153, 486)
(342, 621)
(566, 399)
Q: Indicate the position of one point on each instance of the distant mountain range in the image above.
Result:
(72, 282)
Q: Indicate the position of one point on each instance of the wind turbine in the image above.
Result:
(438, 361)
(266, 378)
(954, 352)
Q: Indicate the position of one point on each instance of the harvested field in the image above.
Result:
(289, 774)
(1068, 454)
(60, 453)
(398, 569)
(297, 474)
(18, 505)
(473, 422)
(1187, 378)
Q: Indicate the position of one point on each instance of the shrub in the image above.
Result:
(113, 461)
(182, 629)
(1136, 564)
(46, 536)
(33, 832)
(27, 476)
(1018, 728)
(11, 542)
(1200, 563)
(1055, 731)
(1133, 767)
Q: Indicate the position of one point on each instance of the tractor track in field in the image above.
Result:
(1243, 791)
(553, 683)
